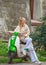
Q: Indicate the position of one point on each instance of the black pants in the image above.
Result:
(11, 55)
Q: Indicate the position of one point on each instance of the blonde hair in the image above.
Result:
(20, 20)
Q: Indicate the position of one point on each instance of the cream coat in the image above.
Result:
(24, 30)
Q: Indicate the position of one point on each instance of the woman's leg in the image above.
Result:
(17, 44)
(11, 56)
(30, 47)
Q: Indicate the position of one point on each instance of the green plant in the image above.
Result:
(40, 34)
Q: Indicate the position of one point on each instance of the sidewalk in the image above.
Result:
(43, 63)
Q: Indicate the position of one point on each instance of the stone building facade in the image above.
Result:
(39, 9)
(11, 10)
(44, 7)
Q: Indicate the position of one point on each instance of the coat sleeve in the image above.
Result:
(27, 31)
(16, 29)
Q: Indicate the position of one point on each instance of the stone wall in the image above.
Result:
(44, 7)
(37, 9)
(11, 10)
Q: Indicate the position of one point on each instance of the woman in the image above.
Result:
(24, 33)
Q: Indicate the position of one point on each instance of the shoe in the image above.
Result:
(39, 63)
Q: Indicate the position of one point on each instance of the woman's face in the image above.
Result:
(22, 22)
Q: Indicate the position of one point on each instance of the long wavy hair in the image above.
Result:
(20, 21)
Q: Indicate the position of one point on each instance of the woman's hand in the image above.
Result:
(20, 34)
(9, 32)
